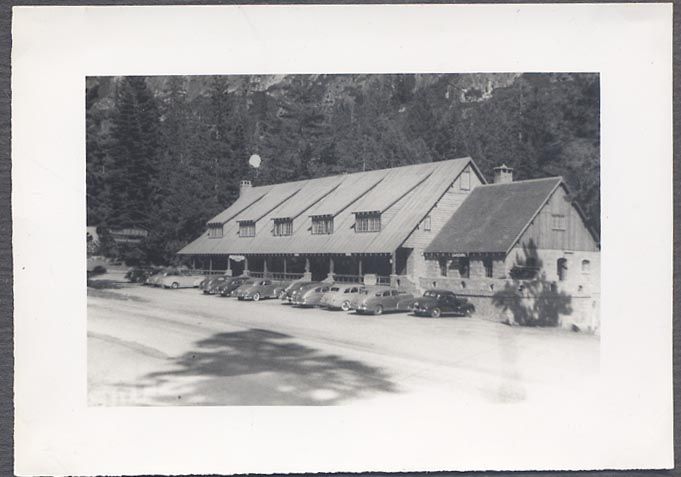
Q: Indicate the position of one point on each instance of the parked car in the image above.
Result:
(377, 300)
(340, 296)
(140, 274)
(178, 279)
(435, 303)
(311, 296)
(209, 285)
(261, 289)
(230, 288)
(156, 278)
(296, 287)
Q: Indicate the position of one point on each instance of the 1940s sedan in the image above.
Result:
(210, 284)
(261, 289)
(435, 303)
(377, 300)
(180, 279)
(312, 296)
(340, 296)
(294, 288)
(232, 287)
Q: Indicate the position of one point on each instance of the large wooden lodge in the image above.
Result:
(436, 224)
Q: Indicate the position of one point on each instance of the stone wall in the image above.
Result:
(495, 298)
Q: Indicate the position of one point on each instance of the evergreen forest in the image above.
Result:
(167, 153)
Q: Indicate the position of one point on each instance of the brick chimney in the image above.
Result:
(503, 174)
(244, 186)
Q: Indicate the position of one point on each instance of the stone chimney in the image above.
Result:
(244, 186)
(503, 174)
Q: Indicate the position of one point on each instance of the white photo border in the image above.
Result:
(626, 422)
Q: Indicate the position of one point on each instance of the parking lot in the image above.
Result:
(152, 346)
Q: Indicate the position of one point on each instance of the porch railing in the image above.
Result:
(340, 278)
(286, 276)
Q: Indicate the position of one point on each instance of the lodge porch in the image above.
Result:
(380, 269)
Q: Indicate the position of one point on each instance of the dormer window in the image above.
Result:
(322, 225)
(215, 231)
(367, 222)
(247, 228)
(282, 227)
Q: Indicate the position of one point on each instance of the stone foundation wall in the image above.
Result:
(496, 298)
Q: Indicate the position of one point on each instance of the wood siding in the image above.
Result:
(441, 212)
(541, 230)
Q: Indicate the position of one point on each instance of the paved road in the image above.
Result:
(149, 346)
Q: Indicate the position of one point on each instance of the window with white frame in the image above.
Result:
(465, 180)
(322, 225)
(215, 231)
(586, 266)
(247, 228)
(426, 223)
(368, 222)
(558, 222)
(283, 227)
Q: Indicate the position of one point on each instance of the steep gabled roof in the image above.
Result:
(247, 198)
(310, 194)
(275, 198)
(493, 217)
(404, 194)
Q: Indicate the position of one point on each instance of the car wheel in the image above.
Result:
(469, 311)
(345, 306)
(256, 297)
(378, 310)
(435, 313)
(175, 286)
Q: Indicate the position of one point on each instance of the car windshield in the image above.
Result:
(431, 294)
(334, 289)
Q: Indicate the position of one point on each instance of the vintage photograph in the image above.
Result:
(338, 239)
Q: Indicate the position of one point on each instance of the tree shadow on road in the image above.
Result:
(261, 367)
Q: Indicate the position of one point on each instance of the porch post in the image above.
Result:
(329, 277)
(359, 266)
(246, 272)
(393, 269)
(307, 276)
(284, 264)
(210, 264)
(193, 262)
(265, 273)
(228, 272)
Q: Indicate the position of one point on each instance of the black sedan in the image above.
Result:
(435, 303)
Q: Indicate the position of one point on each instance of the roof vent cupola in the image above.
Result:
(503, 174)
(244, 186)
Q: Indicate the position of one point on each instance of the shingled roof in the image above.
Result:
(410, 191)
(493, 216)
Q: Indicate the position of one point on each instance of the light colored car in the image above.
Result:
(155, 280)
(179, 279)
(377, 300)
(312, 296)
(340, 296)
(261, 289)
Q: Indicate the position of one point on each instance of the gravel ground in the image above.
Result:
(150, 346)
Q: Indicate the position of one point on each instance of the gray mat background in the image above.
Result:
(6, 292)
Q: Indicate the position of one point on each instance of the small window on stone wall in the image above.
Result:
(586, 266)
